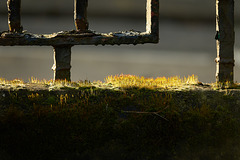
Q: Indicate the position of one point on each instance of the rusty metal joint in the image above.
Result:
(61, 67)
(225, 61)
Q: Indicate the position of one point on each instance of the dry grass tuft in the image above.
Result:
(126, 81)
(117, 81)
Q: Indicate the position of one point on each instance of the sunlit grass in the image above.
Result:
(37, 81)
(3, 81)
(126, 81)
(15, 81)
(121, 81)
(116, 81)
(33, 80)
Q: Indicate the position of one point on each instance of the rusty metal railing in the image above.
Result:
(225, 38)
(64, 40)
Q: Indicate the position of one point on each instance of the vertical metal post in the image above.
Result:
(225, 38)
(152, 17)
(80, 15)
(62, 63)
(14, 15)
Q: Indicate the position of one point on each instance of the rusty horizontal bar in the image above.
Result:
(74, 38)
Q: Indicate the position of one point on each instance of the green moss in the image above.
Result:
(130, 123)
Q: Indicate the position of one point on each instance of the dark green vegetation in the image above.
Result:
(126, 124)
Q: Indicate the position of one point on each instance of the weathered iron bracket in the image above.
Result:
(64, 40)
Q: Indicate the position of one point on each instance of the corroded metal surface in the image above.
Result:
(14, 16)
(152, 18)
(80, 15)
(64, 40)
(82, 36)
(69, 38)
(225, 38)
(62, 62)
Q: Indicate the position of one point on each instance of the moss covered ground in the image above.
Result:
(125, 117)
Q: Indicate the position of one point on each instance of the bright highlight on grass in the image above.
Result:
(142, 82)
(15, 81)
(121, 81)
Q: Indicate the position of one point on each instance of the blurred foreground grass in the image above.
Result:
(125, 117)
